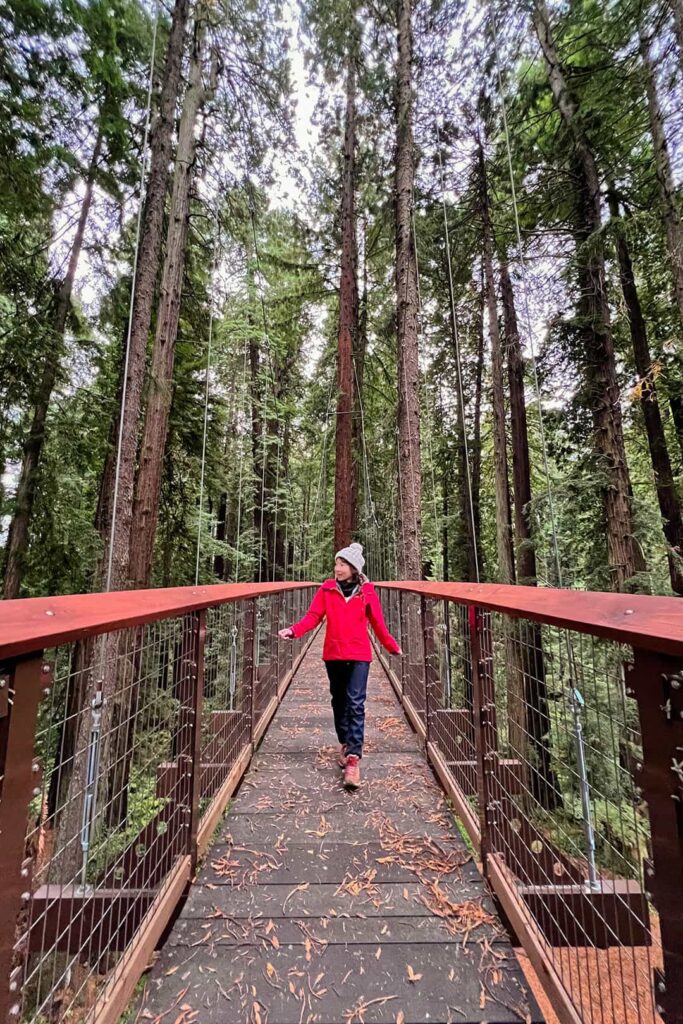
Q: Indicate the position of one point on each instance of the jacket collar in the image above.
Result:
(331, 584)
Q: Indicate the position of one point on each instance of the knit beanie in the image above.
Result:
(353, 554)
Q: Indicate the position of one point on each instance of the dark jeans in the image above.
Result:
(349, 687)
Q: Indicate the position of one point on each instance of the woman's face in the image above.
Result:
(342, 570)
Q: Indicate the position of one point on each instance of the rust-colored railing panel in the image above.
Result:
(554, 720)
(127, 722)
(655, 623)
(29, 624)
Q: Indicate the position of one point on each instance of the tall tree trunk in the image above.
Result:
(359, 352)
(148, 481)
(468, 488)
(117, 530)
(18, 536)
(519, 434)
(677, 11)
(532, 718)
(670, 214)
(345, 496)
(118, 540)
(153, 461)
(506, 567)
(598, 344)
(667, 191)
(409, 548)
(258, 454)
(445, 484)
(665, 485)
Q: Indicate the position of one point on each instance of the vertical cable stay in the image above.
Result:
(126, 361)
(458, 362)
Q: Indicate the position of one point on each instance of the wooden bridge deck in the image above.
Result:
(315, 905)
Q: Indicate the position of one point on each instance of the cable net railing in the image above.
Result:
(538, 732)
(119, 751)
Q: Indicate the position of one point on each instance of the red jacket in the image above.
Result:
(346, 636)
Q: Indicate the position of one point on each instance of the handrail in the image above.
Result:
(655, 623)
(33, 623)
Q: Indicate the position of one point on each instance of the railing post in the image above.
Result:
(195, 746)
(656, 682)
(21, 777)
(484, 721)
(274, 628)
(250, 668)
(402, 640)
(431, 674)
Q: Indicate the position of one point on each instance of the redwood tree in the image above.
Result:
(598, 357)
(116, 528)
(665, 484)
(151, 459)
(346, 496)
(409, 463)
(18, 537)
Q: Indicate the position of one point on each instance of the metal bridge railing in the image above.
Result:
(554, 720)
(126, 722)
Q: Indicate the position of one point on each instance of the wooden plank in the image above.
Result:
(320, 861)
(384, 901)
(446, 980)
(328, 931)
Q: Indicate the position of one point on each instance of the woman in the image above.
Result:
(348, 602)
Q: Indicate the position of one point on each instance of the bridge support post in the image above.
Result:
(484, 708)
(250, 667)
(402, 640)
(24, 683)
(656, 682)
(194, 751)
(431, 672)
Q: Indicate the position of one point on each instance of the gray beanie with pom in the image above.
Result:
(353, 554)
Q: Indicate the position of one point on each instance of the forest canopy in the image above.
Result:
(273, 276)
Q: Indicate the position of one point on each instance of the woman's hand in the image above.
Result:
(286, 634)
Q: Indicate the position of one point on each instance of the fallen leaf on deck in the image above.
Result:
(412, 976)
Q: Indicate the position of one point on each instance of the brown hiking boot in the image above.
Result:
(341, 756)
(352, 772)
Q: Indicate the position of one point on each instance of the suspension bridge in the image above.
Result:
(491, 819)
